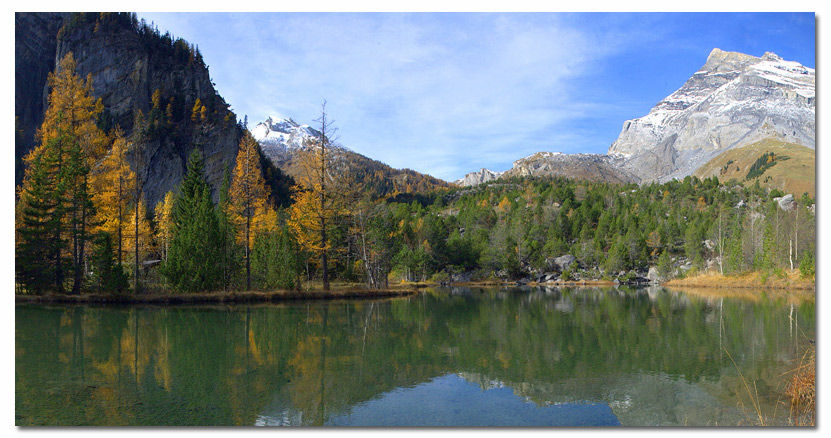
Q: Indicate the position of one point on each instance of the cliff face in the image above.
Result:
(733, 100)
(133, 68)
(34, 55)
(588, 167)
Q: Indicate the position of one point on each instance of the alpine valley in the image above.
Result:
(176, 266)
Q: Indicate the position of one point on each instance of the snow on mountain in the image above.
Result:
(279, 136)
(733, 100)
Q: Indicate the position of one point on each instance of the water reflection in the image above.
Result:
(649, 357)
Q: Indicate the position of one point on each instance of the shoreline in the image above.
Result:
(752, 280)
(235, 297)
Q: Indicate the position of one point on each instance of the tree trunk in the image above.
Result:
(248, 251)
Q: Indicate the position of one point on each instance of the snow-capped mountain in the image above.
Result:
(732, 101)
(279, 136)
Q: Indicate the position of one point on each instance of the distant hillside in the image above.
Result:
(790, 168)
(281, 138)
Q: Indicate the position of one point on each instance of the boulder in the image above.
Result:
(653, 275)
(561, 263)
(786, 202)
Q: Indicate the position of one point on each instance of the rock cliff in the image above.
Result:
(134, 69)
(732, 101)
(590, 167)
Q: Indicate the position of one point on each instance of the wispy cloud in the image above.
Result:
(442, 93)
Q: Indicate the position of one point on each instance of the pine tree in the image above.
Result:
(107, 275)
(38, 260)
(274, 259)
(665, 265)
(69, 143)
(194, 249)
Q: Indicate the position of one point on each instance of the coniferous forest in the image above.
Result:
(82, 223)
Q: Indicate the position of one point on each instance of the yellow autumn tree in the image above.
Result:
(70, 137)
(319, 195)
(164, 223)
(504, 205)
(144, 235)
(113, 182)
(248, 196)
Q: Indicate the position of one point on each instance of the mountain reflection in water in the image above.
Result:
(462, 357)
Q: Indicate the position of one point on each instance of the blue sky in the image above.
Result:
(447, 94)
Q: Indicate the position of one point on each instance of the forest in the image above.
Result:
(82, 224)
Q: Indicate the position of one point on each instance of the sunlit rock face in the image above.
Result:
(278, 137)
(733, 100)
(126, 70)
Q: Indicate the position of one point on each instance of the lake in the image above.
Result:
(444, 357)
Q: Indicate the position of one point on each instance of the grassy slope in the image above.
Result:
(789, 280)
(796, 175)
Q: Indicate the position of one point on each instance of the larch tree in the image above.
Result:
(164, 224)
(113, 183)
(316, 199)
(137, 216)
(140, 129)
(70, 143)
(228, 262)
(248, 194)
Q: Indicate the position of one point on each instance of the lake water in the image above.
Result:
(445, 357)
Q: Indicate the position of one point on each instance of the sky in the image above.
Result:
(450, 93)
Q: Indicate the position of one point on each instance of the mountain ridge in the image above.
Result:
(281, 138)
(733, 100)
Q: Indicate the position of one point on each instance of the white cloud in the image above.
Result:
(439, 93)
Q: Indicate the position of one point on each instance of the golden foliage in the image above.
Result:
(72, 111)
(112, 185)
(145, 233)
(248, 194)
(164, 223)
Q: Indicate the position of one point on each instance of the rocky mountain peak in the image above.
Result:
(733, 100)
(278, 136)
(720, 61)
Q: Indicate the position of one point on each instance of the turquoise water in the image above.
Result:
(460, 357)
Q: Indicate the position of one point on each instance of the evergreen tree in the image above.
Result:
(807, 266)
(274, 261)
(38, 260)
(195, 247)
(665, 265)
(107, 275)
(70, 142)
